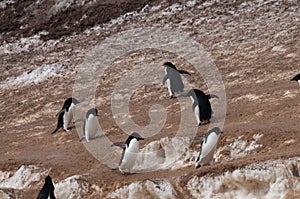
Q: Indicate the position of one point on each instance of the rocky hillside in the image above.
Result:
(48, 46)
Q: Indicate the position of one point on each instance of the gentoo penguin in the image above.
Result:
(201, 105)
(173, 79)
(47, 190)
(296, 78)
(90, 127)
(208, 147)
(65, 115)
(130, 152)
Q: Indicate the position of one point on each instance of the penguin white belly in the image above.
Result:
(210, 144)
(68, 116)
(208, 148)
(168, 82)
(130, 156)
(197, 114)
(91, 127)
(299, 82)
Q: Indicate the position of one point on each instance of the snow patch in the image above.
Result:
(23, 177)
(37, 75)
(73, 187)
(237, 149)
(166, 153)
(271, 179)
(248, 97)
(145, 189)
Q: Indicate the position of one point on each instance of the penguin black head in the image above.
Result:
(169, 64)
(92, 111)
(67, 104)
(296, 78)
(134, 135)
(217, 130)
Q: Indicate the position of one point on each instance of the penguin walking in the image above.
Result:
(201, 105)
(65, 115)
(130, 152)
(208, 146)
(90, 126)
(296, 78)
(173, 79)
(47, 190)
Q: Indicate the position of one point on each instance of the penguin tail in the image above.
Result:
(184, 72)
(55, 130)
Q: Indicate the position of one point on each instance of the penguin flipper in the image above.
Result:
(212, 96)
(165, 79)
(119, 144)
(198, 138)
(184, 72)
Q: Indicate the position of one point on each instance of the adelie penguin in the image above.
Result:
(47, 190)
(130, 152)
(65, 115)
(296, 78)
(173, 79)
(201, 105)
(90, 127)
(208, 147)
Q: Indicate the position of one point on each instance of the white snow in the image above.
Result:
(237, 149)
(248, 97)
(271, 179)
(22, 178)
(166, 153)
(145, 189)
(72, 187)
(37, 75)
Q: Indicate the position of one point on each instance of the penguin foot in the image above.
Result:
(204, 122)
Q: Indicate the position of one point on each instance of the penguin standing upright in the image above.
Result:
(47, 190)
(90, 127)
(65, 115)
(296, 78)
(173, 79)
(201, 105)
(130, 152)
(208, 146)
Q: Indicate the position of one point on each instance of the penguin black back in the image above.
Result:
(202, 101)
(296, 78)
(47, 190)
(60, 122)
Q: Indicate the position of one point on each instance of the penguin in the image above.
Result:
(90, 126)
(130, 152)
(296, 78)
(173, 79)
(47, 190)
(65, 115)
(208, 146)
(201, 105)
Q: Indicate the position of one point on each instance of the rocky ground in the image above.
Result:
(254, 45)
